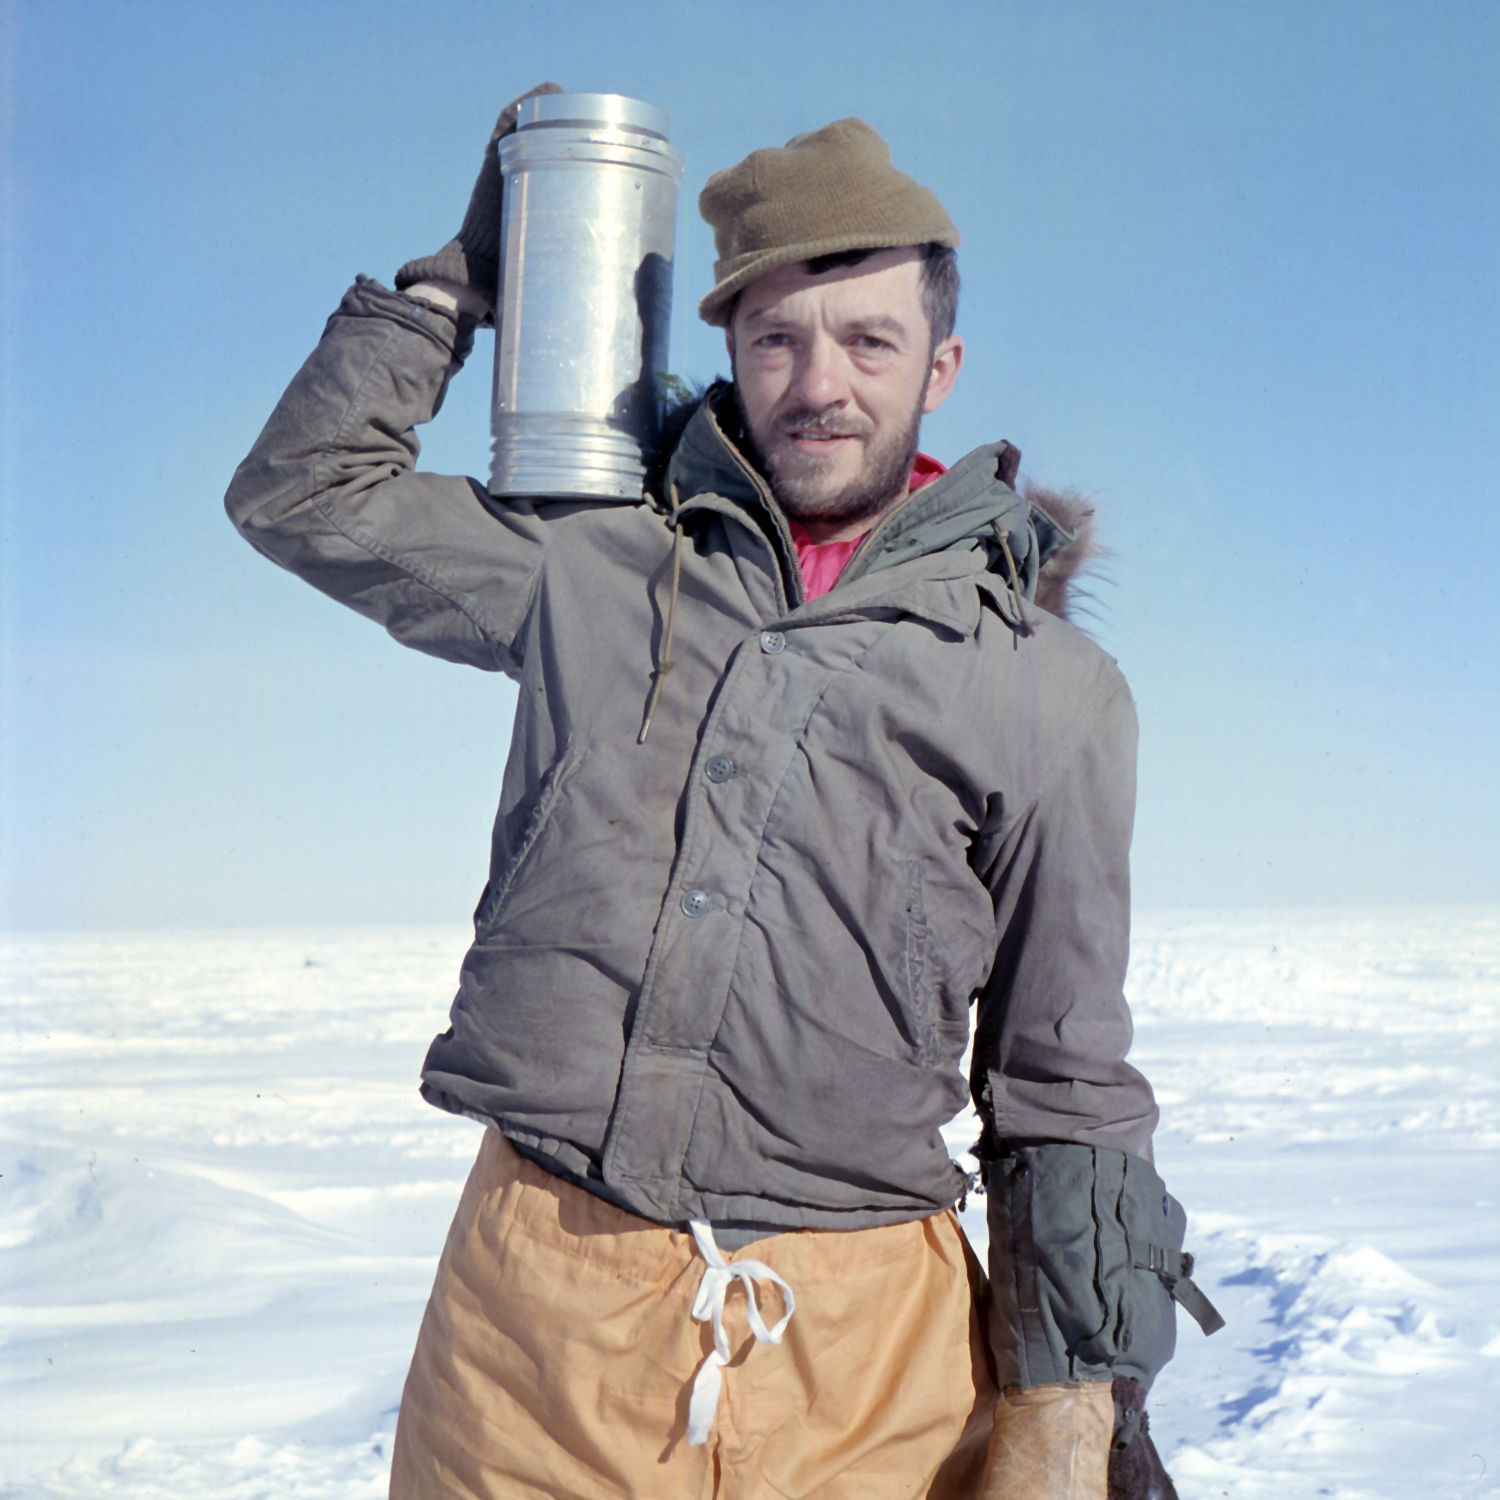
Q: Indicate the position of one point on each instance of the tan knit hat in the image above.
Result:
(830, 190)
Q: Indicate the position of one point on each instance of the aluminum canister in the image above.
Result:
(587, 239)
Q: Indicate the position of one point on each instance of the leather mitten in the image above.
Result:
(1136, 1471)
(1050, 1443)
(472, 257)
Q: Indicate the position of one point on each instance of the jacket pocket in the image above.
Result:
(492, 901)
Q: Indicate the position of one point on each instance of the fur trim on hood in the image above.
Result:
(1057, 589)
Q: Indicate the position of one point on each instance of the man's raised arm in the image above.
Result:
(331, 491)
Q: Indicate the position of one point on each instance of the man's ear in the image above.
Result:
(947, 361)
(729, 345)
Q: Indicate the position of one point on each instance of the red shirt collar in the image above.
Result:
(823, 562)
(924, 470)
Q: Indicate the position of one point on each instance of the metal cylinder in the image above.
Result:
(587, 239)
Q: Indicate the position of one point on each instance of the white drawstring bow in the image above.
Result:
(718, 1275)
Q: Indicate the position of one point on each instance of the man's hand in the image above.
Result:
(1051, 1443)
(472, 258)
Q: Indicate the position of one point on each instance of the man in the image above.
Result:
(800, 769)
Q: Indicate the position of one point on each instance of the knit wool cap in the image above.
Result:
(830, 190)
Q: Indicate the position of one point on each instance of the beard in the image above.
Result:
(799, 482)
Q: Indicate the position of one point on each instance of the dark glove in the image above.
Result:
(472, 258)
(1136, 1471)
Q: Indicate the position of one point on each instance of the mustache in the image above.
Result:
(808, 420)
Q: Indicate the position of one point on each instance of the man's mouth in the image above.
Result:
(823, 437)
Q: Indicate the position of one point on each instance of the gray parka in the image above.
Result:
(727, 973)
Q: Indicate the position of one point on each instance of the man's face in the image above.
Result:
(833, 374)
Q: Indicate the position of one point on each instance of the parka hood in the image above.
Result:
(972, 507)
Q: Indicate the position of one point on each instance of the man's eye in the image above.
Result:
(869, 341)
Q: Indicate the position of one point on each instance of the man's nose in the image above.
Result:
(821, 381)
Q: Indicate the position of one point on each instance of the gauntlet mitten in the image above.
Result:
(472, 258)
(1086, 1267)
(1051, 1442)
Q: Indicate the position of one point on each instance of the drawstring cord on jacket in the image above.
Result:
(718, 1276)
(665, 662)
(1015, 579)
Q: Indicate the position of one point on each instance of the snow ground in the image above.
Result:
(221, 1202)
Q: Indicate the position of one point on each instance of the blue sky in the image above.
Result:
(1233, 269)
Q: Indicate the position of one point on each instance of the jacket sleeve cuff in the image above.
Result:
(1085, 1263)
(451, 332)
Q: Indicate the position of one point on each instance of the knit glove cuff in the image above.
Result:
(454, 262)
